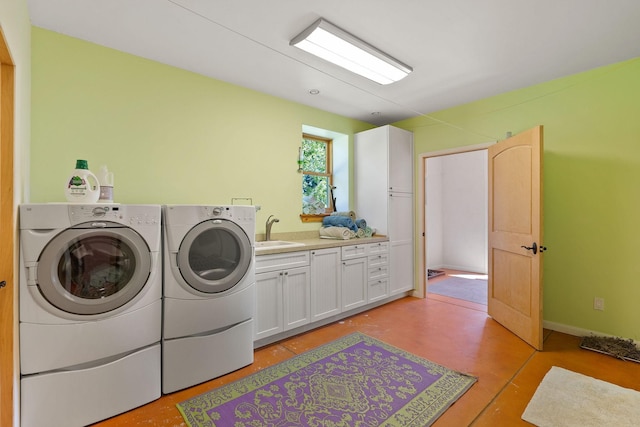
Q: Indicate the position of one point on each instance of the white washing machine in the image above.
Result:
(90, 311)
(209, 292)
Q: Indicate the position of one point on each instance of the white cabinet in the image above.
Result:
(380, 248)
(400, 268)
(400, 168)
(378, 289)
(378, 272)
(365, 274)
(354, 283)
(283, 299)
(269, 304)
(400, 216)
(401, 246)
(326, 280)
(283, 261)
(296, 286)
(294, 289)
(384, 196)
(353, 251)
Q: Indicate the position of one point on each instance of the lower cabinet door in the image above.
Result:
(354, 283)
(325, 283)
(269, 304)
(401, 267)
(378, 289)
(283, 301)
(296, 290)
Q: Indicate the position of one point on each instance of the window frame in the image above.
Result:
(329, 174)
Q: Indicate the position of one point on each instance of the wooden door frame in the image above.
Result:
(8, 231)
(421, 290)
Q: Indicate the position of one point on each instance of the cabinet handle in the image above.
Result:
(286, 273)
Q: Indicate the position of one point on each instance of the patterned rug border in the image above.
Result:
(450, 386)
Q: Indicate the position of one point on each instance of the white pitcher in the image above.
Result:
(105, 178)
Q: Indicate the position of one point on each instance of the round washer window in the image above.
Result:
(214, 256)
(93, 271)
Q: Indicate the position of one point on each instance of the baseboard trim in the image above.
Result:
(470, 269)
(575, 331)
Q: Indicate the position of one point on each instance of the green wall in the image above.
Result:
(172, 136)
(591, 182)
(169, 135)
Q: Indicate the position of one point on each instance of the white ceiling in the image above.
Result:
(460, 50)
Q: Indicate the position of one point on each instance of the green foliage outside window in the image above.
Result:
(316, 176)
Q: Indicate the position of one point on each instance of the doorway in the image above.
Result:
(463, 288)
(454, 220)
(514, 170)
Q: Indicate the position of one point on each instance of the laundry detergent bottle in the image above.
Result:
(82, 185)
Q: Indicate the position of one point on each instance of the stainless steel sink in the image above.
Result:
(275, 244)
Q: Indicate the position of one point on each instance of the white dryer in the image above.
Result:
(90, 311)
(209, 292)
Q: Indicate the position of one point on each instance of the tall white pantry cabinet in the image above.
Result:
(384, 195)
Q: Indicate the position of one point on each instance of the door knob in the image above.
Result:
(533, 248)
(3, 284)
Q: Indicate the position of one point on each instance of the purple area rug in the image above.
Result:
(353, 381)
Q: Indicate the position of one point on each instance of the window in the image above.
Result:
(317, 178)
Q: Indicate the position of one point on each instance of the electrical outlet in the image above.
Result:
(598, 303)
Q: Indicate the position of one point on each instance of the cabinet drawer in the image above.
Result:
(380, 259)
(379, 271)
(273, 262)
(377, 248)
(378, 289)
(355, 251)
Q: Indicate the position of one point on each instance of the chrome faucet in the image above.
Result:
(269, 225)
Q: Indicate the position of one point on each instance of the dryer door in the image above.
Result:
(93, 268)
(214, 256)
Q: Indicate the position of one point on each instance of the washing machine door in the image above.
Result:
(93, 268)
(214, 256)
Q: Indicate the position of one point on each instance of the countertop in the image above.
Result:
(316, 243)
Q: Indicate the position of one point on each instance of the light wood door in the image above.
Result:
(515, 224)
(7, 235)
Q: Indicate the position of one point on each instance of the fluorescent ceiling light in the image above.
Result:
(335, 45)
